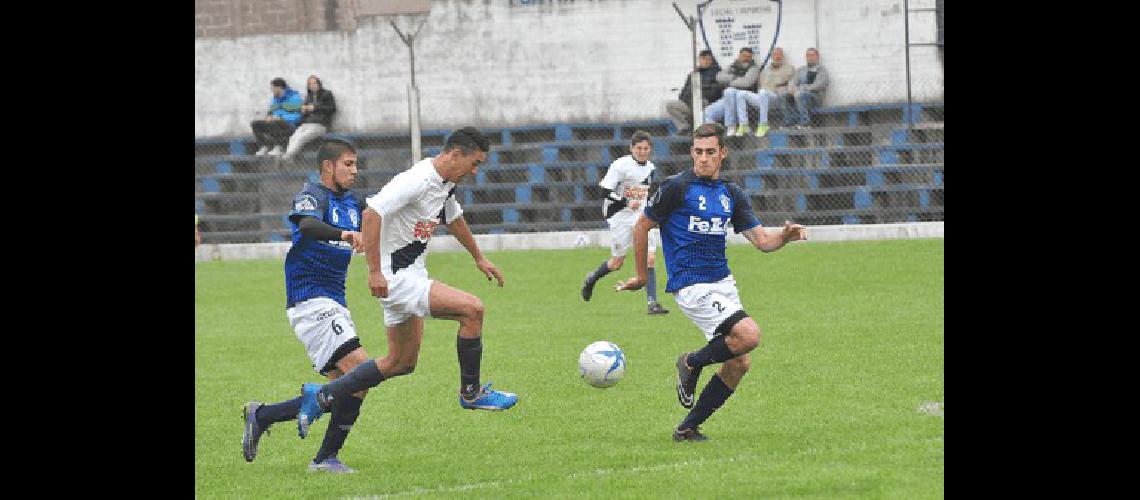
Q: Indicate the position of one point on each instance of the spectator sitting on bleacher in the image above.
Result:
(680, 109)
(318, 110)
(773, 87)
(807, 88)
(283, 116)
(741, 74)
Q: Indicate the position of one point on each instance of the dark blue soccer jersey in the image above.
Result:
(318, 268)
(694, 215)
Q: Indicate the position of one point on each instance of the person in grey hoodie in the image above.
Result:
(741, 75)
(807, 89)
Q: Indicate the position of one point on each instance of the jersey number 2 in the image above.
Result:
(702, 198)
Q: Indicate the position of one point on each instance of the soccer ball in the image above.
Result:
(601, 364)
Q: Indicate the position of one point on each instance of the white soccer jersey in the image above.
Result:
(410, 206)
(623, 174)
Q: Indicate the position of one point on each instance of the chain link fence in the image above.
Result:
(860, 164)
(880, 161)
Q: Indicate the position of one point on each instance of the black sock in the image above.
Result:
(602, 270)
(651, 287)
(716, 351)
(365, 376)
(344, 413)
(712, 397)
(278, 412)
(470, 353)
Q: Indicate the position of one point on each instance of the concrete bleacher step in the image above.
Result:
(872, 114)
(544, 177)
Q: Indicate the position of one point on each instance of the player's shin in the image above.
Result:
(364, 376)
(601, 271)
(344, 414)
(716, 351)
(470, 352)
(712, 397)
(651, 286)
(278, 412)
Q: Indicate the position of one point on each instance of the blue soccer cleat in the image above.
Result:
(311, 408)
(253, 430)
(331, 464)
(486, 399)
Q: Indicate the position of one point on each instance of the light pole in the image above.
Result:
(413, 92)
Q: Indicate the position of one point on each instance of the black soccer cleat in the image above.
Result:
(588, 287)
(253, 431)
(686, 382)
(690, 434)
(656, 308)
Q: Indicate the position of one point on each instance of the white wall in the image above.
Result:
(862, 44)
(489, 64)
(578, 239)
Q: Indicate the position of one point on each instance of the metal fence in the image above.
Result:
(858, 164)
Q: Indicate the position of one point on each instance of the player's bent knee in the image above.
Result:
(747, 334)
(475, 309)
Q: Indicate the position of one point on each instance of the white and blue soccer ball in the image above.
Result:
(601, 364)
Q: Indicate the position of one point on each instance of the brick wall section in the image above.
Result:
(231, 18)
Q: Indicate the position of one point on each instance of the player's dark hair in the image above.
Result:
(467, 139)
(712, 129)
(812, 49)
(332, 149)
(705, 52)
(278, 82)
(746, 49)
(639, 136)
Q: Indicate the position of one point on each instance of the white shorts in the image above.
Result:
(621, 237)
(709, 304)
(407, 296)
(323, 326)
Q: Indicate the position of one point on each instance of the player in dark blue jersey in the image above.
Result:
(695, 210)
(326, 230)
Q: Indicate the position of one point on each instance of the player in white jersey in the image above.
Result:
(627, 186)
(396, 227)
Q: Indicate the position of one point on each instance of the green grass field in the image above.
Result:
(852, 346)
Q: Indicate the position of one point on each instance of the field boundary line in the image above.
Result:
(580, 239)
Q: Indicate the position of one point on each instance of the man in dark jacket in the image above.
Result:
(680, 109)
(741, 75)
(318, 111)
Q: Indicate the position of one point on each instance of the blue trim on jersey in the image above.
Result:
(318, 268)
(695, 214)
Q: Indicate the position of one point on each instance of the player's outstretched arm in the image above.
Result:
(640, 254)
(316, 229)
(770, 242)
(370, 229)
(462, 233)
